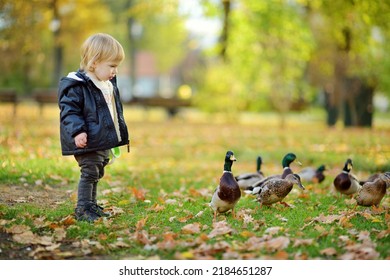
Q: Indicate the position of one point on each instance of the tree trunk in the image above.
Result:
(358, 104)
(225, 29)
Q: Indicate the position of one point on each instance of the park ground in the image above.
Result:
(158, 193)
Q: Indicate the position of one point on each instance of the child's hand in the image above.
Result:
(81, 140)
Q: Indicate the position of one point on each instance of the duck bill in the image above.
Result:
(301, 186)
(233, 158)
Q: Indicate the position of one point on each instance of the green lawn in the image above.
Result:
(159, 192)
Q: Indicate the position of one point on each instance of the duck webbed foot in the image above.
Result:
(285, 204)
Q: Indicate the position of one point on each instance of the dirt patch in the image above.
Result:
(48, 196)
(9, 250)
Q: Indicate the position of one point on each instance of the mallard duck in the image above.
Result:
(227, 193)
(277, 189)
(247, 179)
(345, 182)
(286, 161)
(372, 192)
(313, 175)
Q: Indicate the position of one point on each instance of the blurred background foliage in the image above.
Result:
(279, 55)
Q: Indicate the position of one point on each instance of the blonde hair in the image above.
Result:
(100, 47)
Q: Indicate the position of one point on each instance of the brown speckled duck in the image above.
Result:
(277, 189)
(372, 192)
(227, 194)
(286, 161)
(247, 179)
(345, 182)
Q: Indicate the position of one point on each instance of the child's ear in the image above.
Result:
(92, 67)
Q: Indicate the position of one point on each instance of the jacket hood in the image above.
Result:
(77, 78)
(73, 79)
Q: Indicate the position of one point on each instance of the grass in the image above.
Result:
(160, 190)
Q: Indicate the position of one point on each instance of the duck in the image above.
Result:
(312, 174)
(277, 189)
(227, 193)
(372, 192)
(245, 180)
(286, 162)
(345, 182)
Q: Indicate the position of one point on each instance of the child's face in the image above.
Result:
(106, 70)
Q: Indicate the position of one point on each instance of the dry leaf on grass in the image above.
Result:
(277, 243)
(28, 237)
(17, 229)
(273, 230)
(220, 228)
(141, 224)
(329, 252)
(303, 242)
(191, 228)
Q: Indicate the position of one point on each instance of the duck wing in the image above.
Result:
(246, 180)
(274, 191)
(371, 193)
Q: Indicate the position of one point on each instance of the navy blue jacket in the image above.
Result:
(84, 109)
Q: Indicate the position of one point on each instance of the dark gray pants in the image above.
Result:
(92, 170)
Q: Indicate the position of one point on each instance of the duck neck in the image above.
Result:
(346, 169)
(286, 163)
(227, 167)
(258, 165)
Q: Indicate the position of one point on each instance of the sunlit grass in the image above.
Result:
(168, 177)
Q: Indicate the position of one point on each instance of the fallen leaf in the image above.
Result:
(273, 230)
(247, 219)
(344, 221)
(185, 219)
(28, 237)
(142, 237)
(327, 219)
(17, 229)
(383, 234)
(278, 243)
(220, 228)
(59, 234)
(191, 228)
(68, 220)
(188, 255)
(141, 224)
(360, 252)
(303, 242)
(281, 255)
(157, 208)
(199, 214)
(247, 233)
(171, 201)
(171, 219)
(329, 252)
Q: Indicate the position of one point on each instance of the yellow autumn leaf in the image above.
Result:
(187, 255)
(247, 233)
(123, 202)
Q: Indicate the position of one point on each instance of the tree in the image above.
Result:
(267, 49)
(348, 62)
(32, 33)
